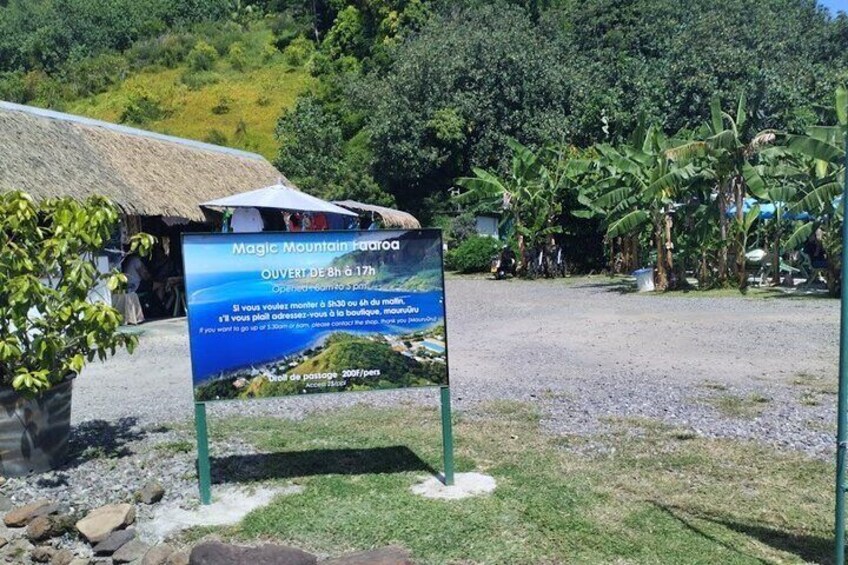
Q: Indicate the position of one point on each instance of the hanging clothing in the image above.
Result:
(319, 222)
(246, 220)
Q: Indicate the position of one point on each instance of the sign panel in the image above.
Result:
(275, 314)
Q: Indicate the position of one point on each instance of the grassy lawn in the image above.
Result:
(255, 96)
(653, 494)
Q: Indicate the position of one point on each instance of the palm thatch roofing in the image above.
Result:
(391, 218)
(51, 154)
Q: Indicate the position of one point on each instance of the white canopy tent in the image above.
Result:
(280, 197)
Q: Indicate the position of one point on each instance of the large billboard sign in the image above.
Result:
(275, 314)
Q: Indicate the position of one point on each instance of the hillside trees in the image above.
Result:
(469, 81)
(44, 34)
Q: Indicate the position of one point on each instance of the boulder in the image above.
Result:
(217, 553)
(101, 522)
(42, 554)
(131, 551)
(40, 529)
(23, 515)
(114, 542)
(80, 561)
(45, 527)
(157, 555)
(151, 493)
(391, 555)
(63, 557)
(177, 558)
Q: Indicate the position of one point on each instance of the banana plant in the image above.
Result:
(823, 150)
(529, 194)
(639, 191)
(726, 150)
(517, 194)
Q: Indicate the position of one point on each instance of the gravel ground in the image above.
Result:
(581, 350)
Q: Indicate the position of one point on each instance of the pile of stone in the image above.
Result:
(42, 532)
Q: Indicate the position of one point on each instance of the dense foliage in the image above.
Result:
(49, 331)
(409, 95)
(45, 34)
(474, 255)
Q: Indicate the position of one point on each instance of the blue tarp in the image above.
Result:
(768, 210)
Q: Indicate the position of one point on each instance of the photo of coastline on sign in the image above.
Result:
(276, 314)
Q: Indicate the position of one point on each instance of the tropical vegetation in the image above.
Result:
(49, 331)
(631, 133)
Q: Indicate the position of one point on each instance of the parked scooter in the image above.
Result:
(504, 263)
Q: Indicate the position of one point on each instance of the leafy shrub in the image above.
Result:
(462, 227)
(268, 53)
(298, 52)
(94, 75)
(222, 106)
(215, 137)
(202, 57)
(474, 255)
(59, 238)
(168, 50)
(195, 80)
(237, 56)
(143, 107)
(223, 36)
(286, 29)
(13, 88)
(44, 89)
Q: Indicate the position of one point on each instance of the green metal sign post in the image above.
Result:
(204, 474)
(447, 435)
(842, 405)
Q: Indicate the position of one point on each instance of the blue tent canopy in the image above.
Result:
(768, 210)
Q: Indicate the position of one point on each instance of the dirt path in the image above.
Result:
(581, 349)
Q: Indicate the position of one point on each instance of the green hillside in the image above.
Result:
(235, 103)
(344, 351)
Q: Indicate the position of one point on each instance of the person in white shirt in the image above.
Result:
(138, 277)
(246, 220)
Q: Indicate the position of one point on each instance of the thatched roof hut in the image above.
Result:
(49, 154)
(391, 218)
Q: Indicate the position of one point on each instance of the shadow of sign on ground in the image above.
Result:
(291, 464)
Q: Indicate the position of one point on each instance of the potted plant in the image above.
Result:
(49, 328)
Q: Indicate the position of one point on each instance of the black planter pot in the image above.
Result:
(34, 432)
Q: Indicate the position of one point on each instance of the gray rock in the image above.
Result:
(391, 555)
(5, 503)
(217, 553)
(18, 548)
(101, 522)
(23, 515)
(131, 551)
(80, 561)
(151, 493)
(177, 558)
(42, 554)
(157, 555)
(114, 542)
(63, 557)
